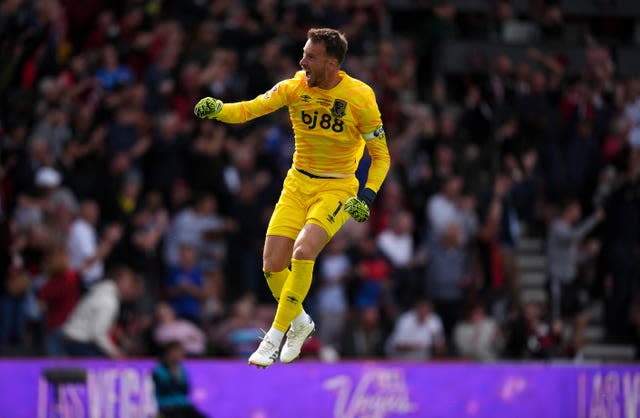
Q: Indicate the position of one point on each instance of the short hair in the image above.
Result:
(568, 201)
(334, 41)
(165, 349)
(117, 271)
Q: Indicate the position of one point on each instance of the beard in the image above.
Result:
(311, 79)
(314, 78)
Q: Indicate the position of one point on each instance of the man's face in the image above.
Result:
(423, 310)
(91, 212)
(316, 63)
(129, 288)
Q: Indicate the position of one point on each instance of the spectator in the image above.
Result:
(170, 328)
(55, 129)
(148, 226)
(112, 74)
(123, 203)
(396, 241)
(397, 244)
(478, 336)
(364, 337)
(58, 297)
(86, 255)
(632, 113)
(194, 225)
(497, 239)
(39, 155)
(532, 335)
(240, 333)
(418, 334)
(334, 269)
(433, 32)
(447, 275)
(13, 318)
(184, 285)
(165, 159)
(446, 208)
(568, 293)
(171, 384)
(35, 204)
(620, 248)
(372, 272)
(86, 332)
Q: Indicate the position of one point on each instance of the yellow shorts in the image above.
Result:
(309, 200)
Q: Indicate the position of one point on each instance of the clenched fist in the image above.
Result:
(208, 107)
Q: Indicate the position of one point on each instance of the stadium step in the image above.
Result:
(594, 333)
(534, 295)
(530, 245)
(534, 279)
(609, 352)
(595, 312)
(531, 262)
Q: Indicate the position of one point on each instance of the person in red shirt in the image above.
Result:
(58, 296)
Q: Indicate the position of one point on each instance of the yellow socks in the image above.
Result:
(295, 289)
(275, 281)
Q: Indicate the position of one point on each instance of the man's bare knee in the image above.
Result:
(310, 242)
(274, 264)
(277, 253)
(303, 252)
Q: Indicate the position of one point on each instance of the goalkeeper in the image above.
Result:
(334, 116)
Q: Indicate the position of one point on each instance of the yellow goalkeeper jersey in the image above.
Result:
(331, 127)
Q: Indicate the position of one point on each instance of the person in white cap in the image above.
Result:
(32, 204)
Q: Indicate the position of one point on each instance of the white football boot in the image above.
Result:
(295, 338)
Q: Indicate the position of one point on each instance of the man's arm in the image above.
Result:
(583, 228)
(241, 112)
(112, 235)
(380, 162)
(376, 143)
(104, 317)
(566, 234)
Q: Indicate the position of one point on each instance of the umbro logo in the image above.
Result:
(306, 98)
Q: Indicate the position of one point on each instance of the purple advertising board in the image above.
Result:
(229, 389)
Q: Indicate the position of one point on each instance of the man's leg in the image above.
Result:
(306, 248)
(275, 262)
(276, 259)
(319, 222)
(310, 242)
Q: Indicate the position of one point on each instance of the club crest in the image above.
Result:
(339, 108)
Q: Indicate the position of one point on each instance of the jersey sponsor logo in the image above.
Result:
(379, 132)
(324, 121)
(339, 108)
(306, 98)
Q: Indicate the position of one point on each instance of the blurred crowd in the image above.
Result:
(127, 224)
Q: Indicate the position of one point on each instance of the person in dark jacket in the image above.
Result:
(172, 385)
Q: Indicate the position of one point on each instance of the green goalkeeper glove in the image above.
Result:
(208, 108)
(360, 207)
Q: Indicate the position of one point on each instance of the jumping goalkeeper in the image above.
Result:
(334, 116)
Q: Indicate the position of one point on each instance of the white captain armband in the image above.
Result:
(378, 133)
